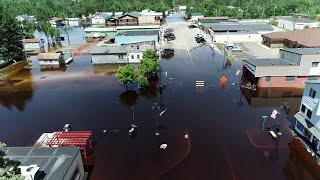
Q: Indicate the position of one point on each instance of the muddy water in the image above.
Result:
(226, 132)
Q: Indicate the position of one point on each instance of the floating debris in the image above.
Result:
(132, 131)
(186, 136)
(163, 146)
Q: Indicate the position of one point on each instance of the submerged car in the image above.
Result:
(167, 53)
(192, 26)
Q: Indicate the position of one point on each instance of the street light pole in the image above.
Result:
(155, 107)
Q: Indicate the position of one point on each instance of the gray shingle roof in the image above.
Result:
(53, 161)
(109, 50)
(241, 27)
(303, 51)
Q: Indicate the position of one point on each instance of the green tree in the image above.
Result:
(126, 74)
(5, 163)
(148, 67)
(29, 28)
(150, 54)
(11, 34)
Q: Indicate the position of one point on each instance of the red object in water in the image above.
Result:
(223, 81)
(81, 139)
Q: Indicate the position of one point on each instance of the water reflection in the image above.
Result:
(129, 98)
(274, 97)
(17, 88)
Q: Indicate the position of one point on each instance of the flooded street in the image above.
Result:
(224, 124)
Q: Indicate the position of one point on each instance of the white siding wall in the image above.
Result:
(306, 65)
(289, 25)
(315, 119)
(98, 20)
(135, 57)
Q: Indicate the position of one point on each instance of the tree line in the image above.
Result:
(45, 9)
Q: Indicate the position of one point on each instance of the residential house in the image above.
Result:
(55, 22)
(293, 67)
(150, 17)
(293, 23)
(50, 59)
(304, 38)
(73, 21)
(238, 32)
(126, 53)
(100, 18)
(196, 16)
(182, 8)
(48, 163)
(26, 18)
(126, 19)
(307, 123)
(33, 46)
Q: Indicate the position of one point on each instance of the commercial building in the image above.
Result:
(293, 67)
(136, 36)
(33, 46)
(307, 123)
(150, 17)
(305, 38)
(293, 23)
(126, 53)
(238, 31)
(48, 163)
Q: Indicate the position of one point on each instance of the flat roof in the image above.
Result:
(196, 14)
(268, 62)
(313, 81)
(139, 33)
(234, 26)
(306, 37)
(53, 161)
(103, 50)
(296, 19)
(30, 40)
(303, 51)
(44, 56)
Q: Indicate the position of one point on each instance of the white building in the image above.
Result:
(33, 46)
(50, 59)
(182, 8)
(196, 16)
(50, 163)
(23, 18)
(128, 53)
(98, 20)
(150, 17)
(308, 118)
(73, 22)
(292, 23)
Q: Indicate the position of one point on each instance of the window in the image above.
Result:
(312, 93)
(138, 56)
(76, 174)
(138, 47)
(120, 56)
(132, 56)
(303, 108)
(290, 78)
(312, 78)
(309, 113)
(267, 78)
(315, 64)
(300, 126)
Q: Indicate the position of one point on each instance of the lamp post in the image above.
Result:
(156, 108)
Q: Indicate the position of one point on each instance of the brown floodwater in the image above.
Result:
(226, 133)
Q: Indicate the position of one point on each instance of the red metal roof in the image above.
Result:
(72, 138)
